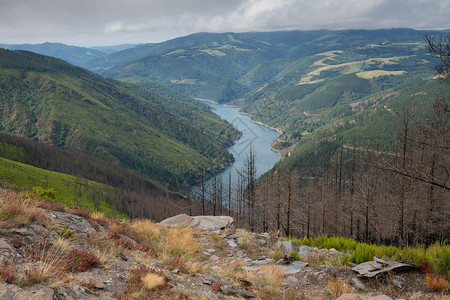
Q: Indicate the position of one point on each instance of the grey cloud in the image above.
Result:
(117, 21)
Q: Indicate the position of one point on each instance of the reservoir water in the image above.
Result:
(258, 136)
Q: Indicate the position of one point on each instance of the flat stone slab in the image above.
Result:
(363, 297)
(373, 268)
(264, 261)
(294, 268)
(202, 222)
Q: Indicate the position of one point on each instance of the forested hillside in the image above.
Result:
(49, 100)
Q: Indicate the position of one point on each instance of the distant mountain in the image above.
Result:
(49, 100)
(112, 49)
(72, 54)
(232, 66)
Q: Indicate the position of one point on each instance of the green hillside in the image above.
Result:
(234, 66)
(49, 100)
(70, 190)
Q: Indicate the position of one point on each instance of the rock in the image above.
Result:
(214, 258)
(294, 268)
(304, 251)
(76, 224)
(263, 261)
(357, 283)
(177, 221)
(232, 243)
(239, 291)
(77, 293)
(398, 281)
(417, 296)
(100, 285)
(372, 268)
(212, 222)
(210, 250)
(36, 292)
(288, 246)
(202, 222)
(7, 253)
(380, 261)
(362, 297)
(240, 254)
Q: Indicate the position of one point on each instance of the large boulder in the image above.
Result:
(201, 222)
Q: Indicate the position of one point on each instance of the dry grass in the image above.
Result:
(152, 281)
(233, 269)
(61, 244)
(21, 209)
(146, 230)
(180, 241)
(436, 284)
(442, 296)
(338, 287)
(47, 262)
(105, 248)
(273, 275)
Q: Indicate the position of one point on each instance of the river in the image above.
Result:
(256, 135)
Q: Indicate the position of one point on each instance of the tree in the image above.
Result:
(440, 47)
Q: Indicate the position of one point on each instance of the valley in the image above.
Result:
(361, 119)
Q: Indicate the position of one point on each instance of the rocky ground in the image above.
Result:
(213, 261)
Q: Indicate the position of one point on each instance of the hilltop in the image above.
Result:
(77, 255)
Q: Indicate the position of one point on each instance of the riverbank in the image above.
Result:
(207, 100)
(261, 123)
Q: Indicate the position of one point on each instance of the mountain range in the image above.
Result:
(320, 88)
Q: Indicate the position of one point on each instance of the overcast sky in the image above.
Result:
(112, 22)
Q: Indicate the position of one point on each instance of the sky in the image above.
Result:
(113, 22)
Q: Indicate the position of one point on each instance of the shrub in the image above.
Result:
(65, 232)
(52, 206)
(126, 243)
(40, 192)
(363, 253)
(7, 277)
(82, 260)
(276, 256)
(438, 257)
(294, 255)
(436, 284)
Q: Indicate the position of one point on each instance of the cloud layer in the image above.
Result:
(95, 22)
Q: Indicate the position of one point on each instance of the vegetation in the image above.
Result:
(49, 100)
(436, 256)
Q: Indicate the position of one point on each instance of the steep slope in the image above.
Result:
(49, 100)
(202, 65)
(72, 54)
(233, 66)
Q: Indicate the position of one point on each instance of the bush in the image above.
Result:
(82, 260)
(7, 277)
(40, 192)
(436, 284)
(363, 253)
(126, 243)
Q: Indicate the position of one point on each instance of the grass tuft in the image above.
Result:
(338, 287)
(152, 281)
(273, 275)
